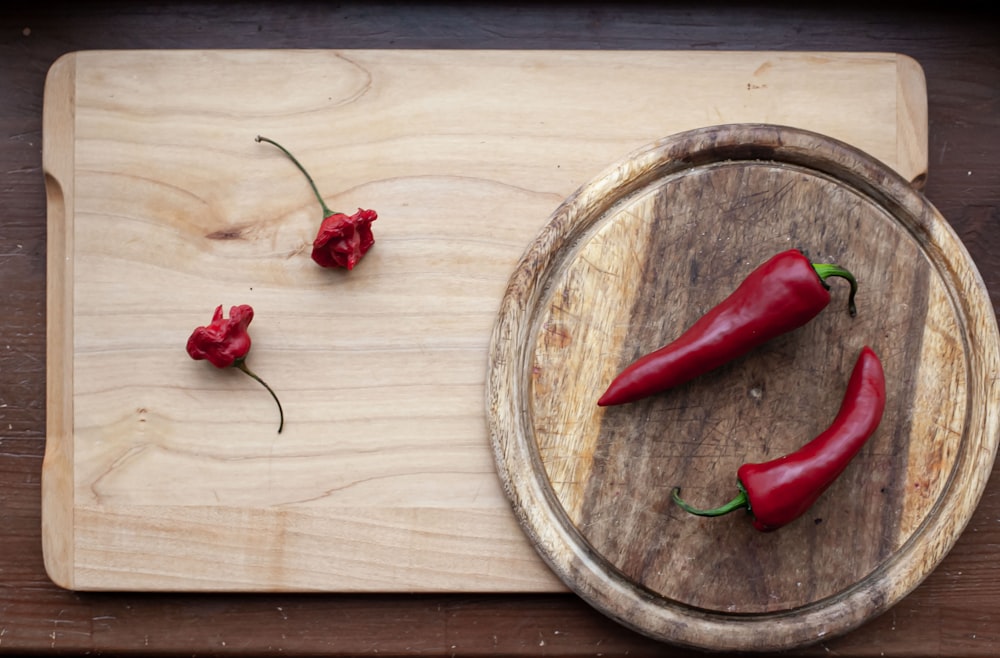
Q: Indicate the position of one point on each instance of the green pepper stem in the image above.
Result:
(740, 502)
(243, 366)
(326, 211)
(826, 270)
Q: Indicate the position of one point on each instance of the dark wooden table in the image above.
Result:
(955, 612)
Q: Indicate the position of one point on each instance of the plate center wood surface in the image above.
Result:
(657, 262)
(631, 260)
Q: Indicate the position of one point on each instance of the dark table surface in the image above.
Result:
(955, 612)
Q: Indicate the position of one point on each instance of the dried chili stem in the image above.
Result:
(326, 211)
(241, 364)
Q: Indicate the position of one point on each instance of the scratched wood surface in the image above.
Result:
(633, 259)
(164, 474)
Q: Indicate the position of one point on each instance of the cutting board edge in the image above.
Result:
(58, 501)
(912, 124)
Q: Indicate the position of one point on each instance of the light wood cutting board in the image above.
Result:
(162, 473)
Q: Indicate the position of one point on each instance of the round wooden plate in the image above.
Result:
(630, 261)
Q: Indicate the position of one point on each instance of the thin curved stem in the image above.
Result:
(326, 211)
(281, 413)
(826, 270)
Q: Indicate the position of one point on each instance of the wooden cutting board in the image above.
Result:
(625, 266)
(162, 473)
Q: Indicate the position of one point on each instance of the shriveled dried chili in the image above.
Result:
(779, 491)
(342, 240)
(225, 343)
(778, 296)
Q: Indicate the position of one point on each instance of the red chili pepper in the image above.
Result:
(342, 239)
(781, 295)
(225, 342)
(779, 491)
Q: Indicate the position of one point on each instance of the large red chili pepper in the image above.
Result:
(225, 342)
(781, 295)
(779, 491)
(342, 239)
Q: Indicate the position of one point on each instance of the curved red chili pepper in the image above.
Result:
(779, 491)
(781, 295)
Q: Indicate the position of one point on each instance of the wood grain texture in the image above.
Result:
(175, 209)
(633, 259)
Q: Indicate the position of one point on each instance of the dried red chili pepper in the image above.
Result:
(342, 239)
(780, 295)
(225, 342)
(779, 491)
